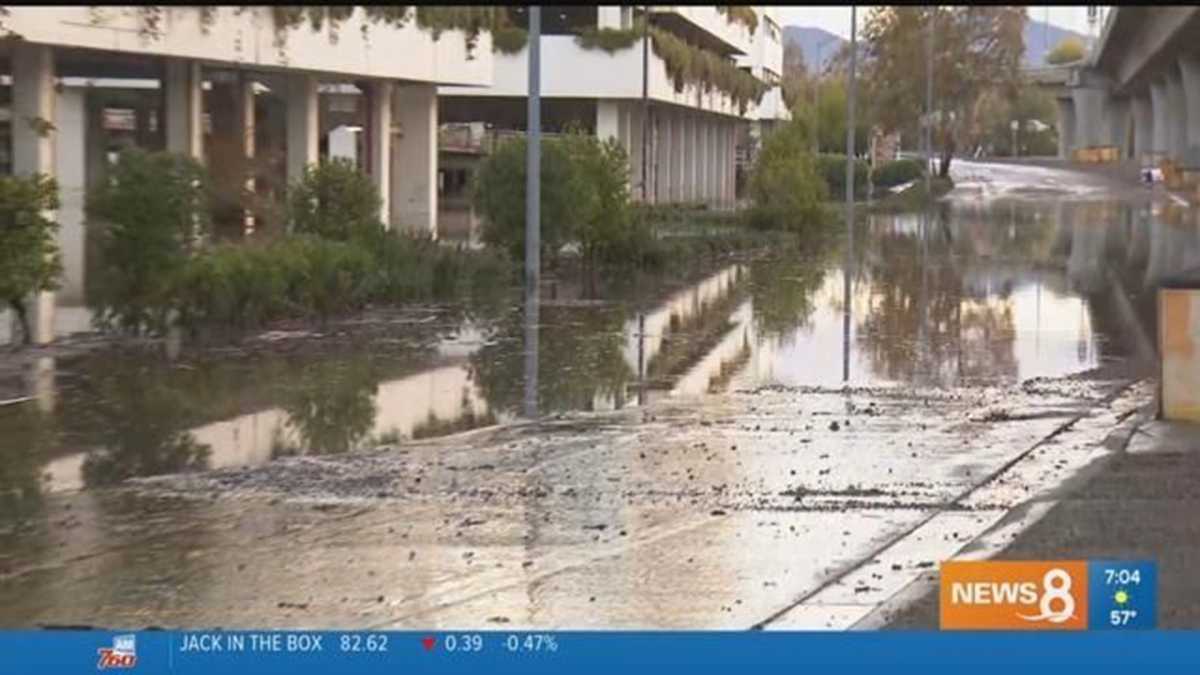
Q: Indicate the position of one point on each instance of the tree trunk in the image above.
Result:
(947, 155)
(18, 306)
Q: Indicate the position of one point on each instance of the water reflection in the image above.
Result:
(976, 293)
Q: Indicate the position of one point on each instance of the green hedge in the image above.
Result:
(239, 286)
(833, 169)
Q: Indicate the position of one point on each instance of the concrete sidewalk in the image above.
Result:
(1143, 503)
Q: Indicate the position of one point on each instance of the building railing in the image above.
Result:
(471, 139)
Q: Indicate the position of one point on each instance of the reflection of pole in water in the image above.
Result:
(850, 95)
(532, 211)
(923, 299)
(641, 358)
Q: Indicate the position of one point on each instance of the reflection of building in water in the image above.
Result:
(643, 341)
(440, 399)
(696, 340)
(718, 365)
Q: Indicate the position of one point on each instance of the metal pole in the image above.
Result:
(850, 96)
(533, 201)
(929, 101)
(645, 101)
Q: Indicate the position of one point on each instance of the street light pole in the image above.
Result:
(533, 216)
(929, 101)
(645, 102)
(849, 265)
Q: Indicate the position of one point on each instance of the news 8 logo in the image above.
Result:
(1047, 595)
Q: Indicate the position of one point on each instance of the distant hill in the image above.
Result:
(1040, 38)
(809, 39)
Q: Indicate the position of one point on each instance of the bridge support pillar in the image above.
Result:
(1066, 127)
(1189, 68)
(1143, 126)
(1176, 115)
(1118, 124)
(1158, 102)
(1091, 124)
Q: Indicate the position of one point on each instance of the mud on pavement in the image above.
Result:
(777, 507)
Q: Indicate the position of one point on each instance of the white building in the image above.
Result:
(692, 132)
(228, 86)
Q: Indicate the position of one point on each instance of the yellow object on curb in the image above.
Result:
(1179, 348)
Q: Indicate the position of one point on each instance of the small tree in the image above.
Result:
(336, 201)
(499, 197)
(1069, 50)
(29, 256)
(785, 187)
(604, 225)
(156, 206)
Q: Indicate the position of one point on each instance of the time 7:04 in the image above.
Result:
(1122, 576)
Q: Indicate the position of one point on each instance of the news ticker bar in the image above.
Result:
(328, 652)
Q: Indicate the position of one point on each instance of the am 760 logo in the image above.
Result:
(122, 653)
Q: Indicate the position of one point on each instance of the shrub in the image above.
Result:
(336, 201)
(610, 40)
(585, 199)
(604, 227)
(339, 277)
(29, 256)
(833, 169)
(509, 39)
(499, 197)
(896, 173)
(785, 188)
(156, 208)
(235, 285)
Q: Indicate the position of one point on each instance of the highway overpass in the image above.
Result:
(1139, 89)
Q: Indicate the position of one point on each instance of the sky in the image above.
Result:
(836, 19)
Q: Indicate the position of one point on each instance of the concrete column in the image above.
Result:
(1158, 102)
(723, 160)
(244, 117)
(1066, 127)
(415, 159)
(1189, 68)
(677, 130)
(662, 164)
(635, 151)
(731, 184)
(379, 148)
(701, 173)
(303, 134)
(70, 170)
(1143, 126)
(687, 150)
(1090, 123)
(608, 16)
(33, 145)
(1177, 114)
(1118, 124)
(713, 163)
(701, 170)
(608, 119)
(184, 108)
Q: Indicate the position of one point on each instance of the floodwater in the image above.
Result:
(980, 291)
(1015, 276)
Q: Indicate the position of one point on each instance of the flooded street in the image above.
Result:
(718, 448)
